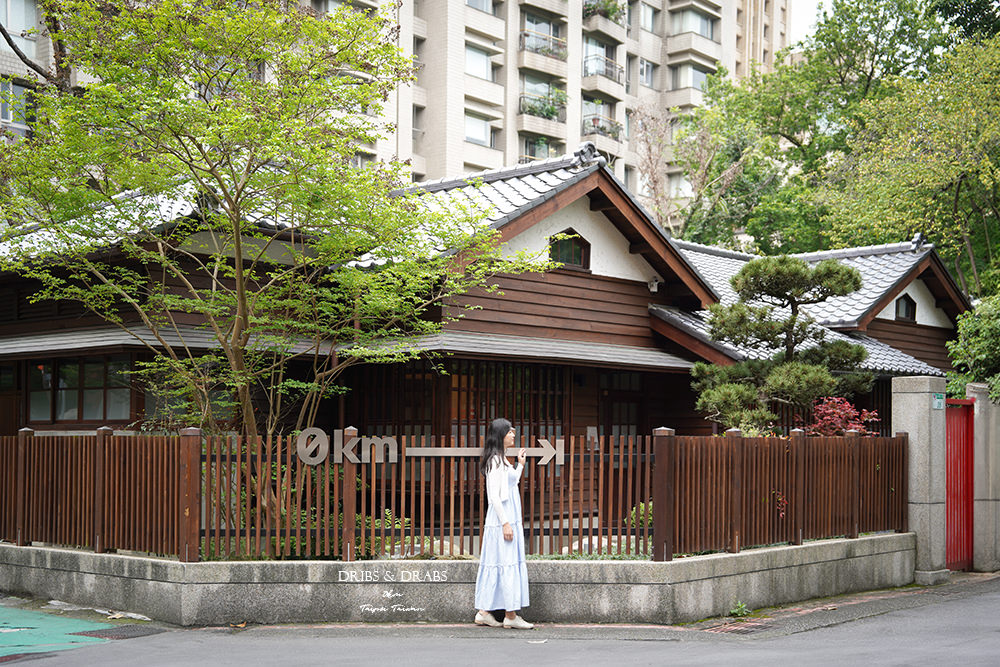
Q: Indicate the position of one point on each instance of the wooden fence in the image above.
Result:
(224, 498)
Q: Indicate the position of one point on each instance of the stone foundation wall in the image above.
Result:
(686, 589)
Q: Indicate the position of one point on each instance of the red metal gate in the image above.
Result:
(959, 484)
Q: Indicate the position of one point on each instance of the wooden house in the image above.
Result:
(606, 342)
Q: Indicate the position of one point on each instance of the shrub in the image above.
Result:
(835, 416)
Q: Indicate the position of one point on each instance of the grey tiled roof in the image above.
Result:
(98, 338)
(882, 358)
(550, 349)
(506, 193)
(881, 268)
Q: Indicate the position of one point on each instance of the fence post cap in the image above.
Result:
(734, 432)
(351, 430)
(852, 433)
(191, 431)
(797, 433)
(902, 434)
(26, 431)
(105, 429)
(663, 430)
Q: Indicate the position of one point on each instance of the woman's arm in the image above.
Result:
(496, 482)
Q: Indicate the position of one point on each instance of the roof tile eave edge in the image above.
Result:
(684, 327)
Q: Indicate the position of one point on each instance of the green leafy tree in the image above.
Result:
(201, 188)
(975, 18)
(791, 127)
(769, 317)
(929, 161)
(975, 353)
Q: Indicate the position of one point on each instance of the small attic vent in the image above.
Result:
(573, 251)
(906, 309)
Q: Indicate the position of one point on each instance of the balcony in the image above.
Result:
(606, 67)
(683, 98)
(693, 43)
(613, 10)
(546, 45)
(538, 149)
(484, 24)
(603, 76)
(549, 107)
(484, 91)
(557, 7)
(601, 125)
(611, 30)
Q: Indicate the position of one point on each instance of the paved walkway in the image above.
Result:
(23, 631)
(956, 620)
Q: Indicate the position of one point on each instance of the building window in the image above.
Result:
(646, 72)
(481, 5)
(478, 130)
(19, 16)
(647, 17)
(90, 389)
(678, 186)
(477, 63)
(537, 147)
(692, 21)
(572, 251)
(687, 76)
(14, 111)
(906, 309)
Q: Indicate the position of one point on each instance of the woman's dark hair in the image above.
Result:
(498, 430)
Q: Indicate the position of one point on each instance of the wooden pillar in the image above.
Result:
(24, 437)
(190, 491)
(799, 492)
(349, 499)
(663, 494)
(99, 542)
(854, 449)
(735, 438)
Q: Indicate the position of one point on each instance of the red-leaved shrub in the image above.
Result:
(835, 416)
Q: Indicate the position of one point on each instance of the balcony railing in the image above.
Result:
(550, 107)
(597, 124)
(609, 9)
(547, 45)
(537, 151)
(606, 67)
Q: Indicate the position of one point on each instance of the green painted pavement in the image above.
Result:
(37, 632)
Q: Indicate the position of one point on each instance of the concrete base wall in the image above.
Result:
(686, 589)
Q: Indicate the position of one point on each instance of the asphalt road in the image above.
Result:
(953, 624)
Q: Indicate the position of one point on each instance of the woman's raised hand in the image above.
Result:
(522, 454)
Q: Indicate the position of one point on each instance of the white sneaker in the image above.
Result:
(487, 619)
(517, 623)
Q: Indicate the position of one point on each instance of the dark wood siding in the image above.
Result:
(563, 304)
(917, 340)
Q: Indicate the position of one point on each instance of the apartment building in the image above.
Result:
(507, 81)
(501, 82)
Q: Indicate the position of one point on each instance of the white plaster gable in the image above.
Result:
(927, 312)
(609, 250)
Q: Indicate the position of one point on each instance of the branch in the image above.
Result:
(25, 59)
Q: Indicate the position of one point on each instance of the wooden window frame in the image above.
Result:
(53, 363)
(578, 239)
(904, 300)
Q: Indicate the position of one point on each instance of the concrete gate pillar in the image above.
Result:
(916, 412)
(986, 481)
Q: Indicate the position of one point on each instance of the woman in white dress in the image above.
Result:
(502, 582)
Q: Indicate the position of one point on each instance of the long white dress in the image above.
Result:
(502, 581)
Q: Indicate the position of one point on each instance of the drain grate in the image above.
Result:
(740, 628)
(122, 632)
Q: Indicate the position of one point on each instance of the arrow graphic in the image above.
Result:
(545, 451)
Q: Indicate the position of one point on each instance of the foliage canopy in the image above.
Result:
(198, 185)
